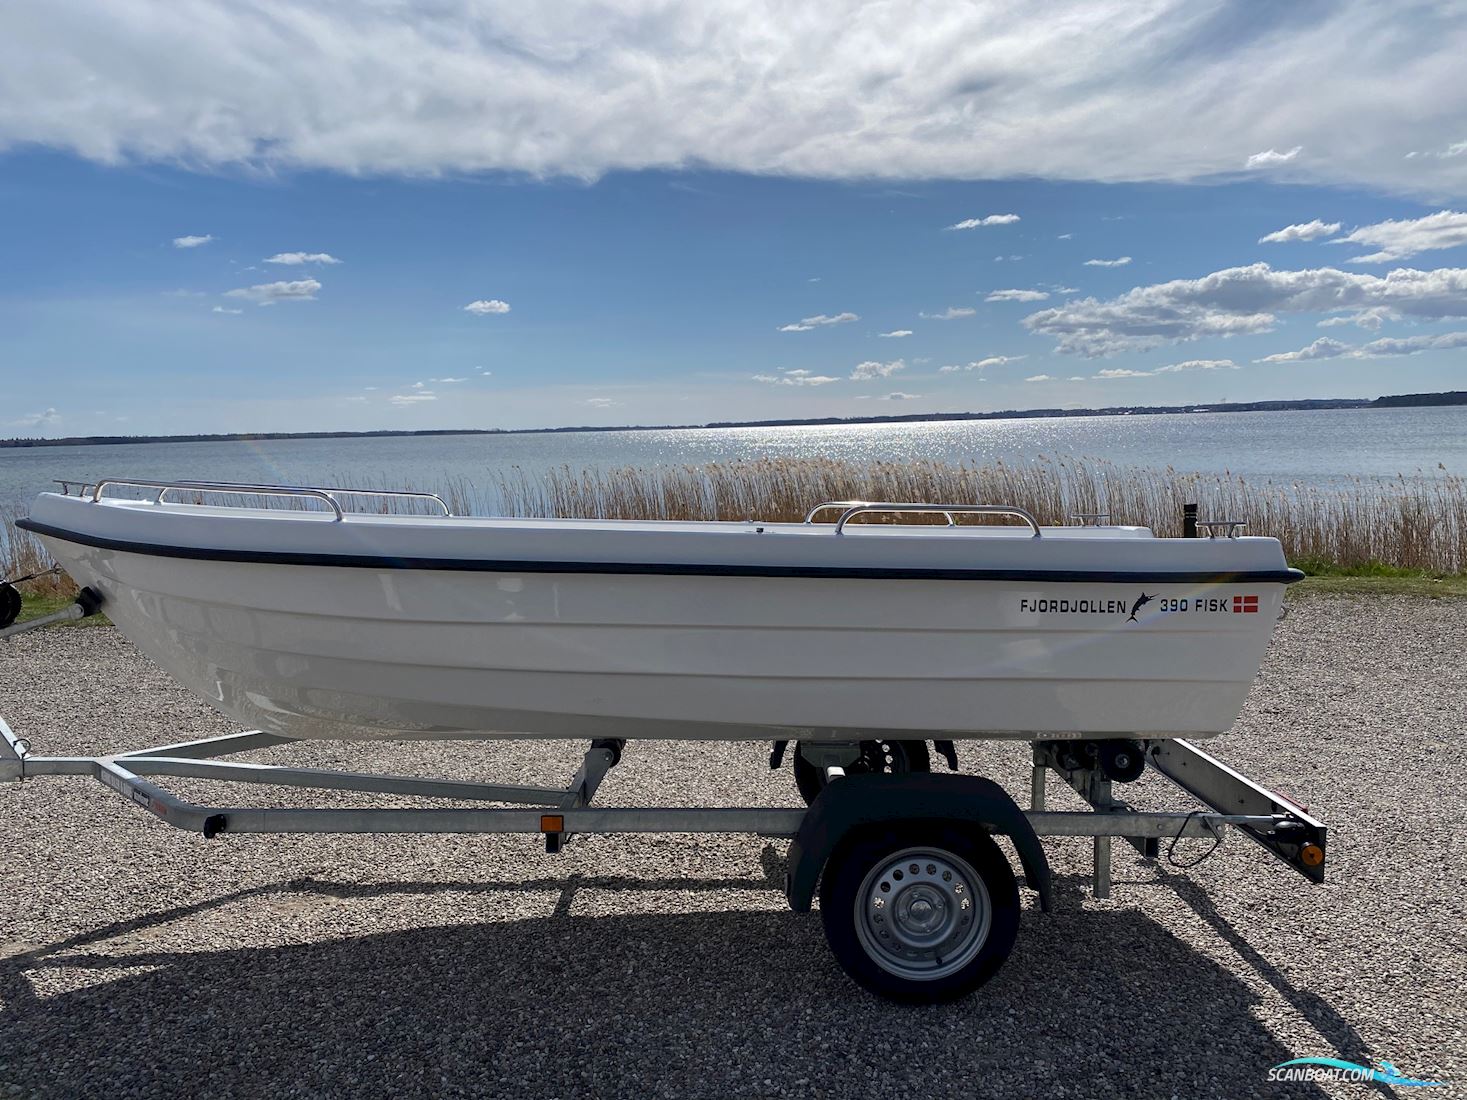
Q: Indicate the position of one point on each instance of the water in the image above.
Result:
(1324, 447)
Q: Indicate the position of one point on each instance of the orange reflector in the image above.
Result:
(1311, 855)
(555, 823)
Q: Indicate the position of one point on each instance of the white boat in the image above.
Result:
(860, 641)
(322, 622)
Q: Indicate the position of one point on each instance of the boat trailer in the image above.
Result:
(919, 904)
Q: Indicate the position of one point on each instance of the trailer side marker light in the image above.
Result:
(555, 823)
(1311, 855)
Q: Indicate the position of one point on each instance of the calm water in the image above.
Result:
(1313, 447)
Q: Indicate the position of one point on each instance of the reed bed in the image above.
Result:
(1408, 524)
(21, 555)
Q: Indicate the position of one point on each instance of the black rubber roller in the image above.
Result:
(1122, 761)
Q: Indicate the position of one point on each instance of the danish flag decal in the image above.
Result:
(1245, 605)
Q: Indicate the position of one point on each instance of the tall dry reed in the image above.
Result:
(1406, 523)
(21, 554)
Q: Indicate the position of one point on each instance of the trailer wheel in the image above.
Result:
(920, 911)
(877, 758)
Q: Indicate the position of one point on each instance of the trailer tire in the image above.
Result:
(924, 936)
(878, 757)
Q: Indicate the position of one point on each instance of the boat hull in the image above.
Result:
(326, 651)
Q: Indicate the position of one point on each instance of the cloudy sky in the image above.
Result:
(288, 216)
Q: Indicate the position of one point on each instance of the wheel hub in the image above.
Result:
(922, 913)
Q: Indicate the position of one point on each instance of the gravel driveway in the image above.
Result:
(141, 961)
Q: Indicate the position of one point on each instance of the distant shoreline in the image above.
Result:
(1408, 400)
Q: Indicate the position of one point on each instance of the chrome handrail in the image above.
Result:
(165, 487)
(1231, 526)
(406, 493)
(315, 492)
(843, 504)
(859, 507)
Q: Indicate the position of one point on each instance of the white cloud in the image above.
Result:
(1017, 296)
(1370, 319)
(1065, 236)
(599, 402)
(796, 378)
(407, 400)
(898, 395)
(1172, 368)
(1197, 364)
(979, 223)
(895, 334)
(1041, 378)
(575, 89)
(448, 380)
(1242, 300)
(485, 306)
(267, 294)
(1120, 262)
(1456, 149)
(952, 313)
(805, 324)
(873, 369)
(1387, 348)
(1302, 231)
(47, 418)
(222, 309)
(1412, 345)
(356, 398)
(192, 242)
(1323, 348)
(1273, 156)
(981, 364)
(1399, 240)
(295, 259)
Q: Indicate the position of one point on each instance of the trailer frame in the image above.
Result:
(918, 902)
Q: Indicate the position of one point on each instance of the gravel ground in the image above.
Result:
(141, 961)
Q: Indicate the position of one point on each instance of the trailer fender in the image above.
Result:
(859, 800)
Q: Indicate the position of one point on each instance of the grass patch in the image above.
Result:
(1419, 584)
(1323, 567)
(1373, 578)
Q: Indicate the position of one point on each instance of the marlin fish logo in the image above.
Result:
(1141, 601)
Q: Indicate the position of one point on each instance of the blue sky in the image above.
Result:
(644, 270)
